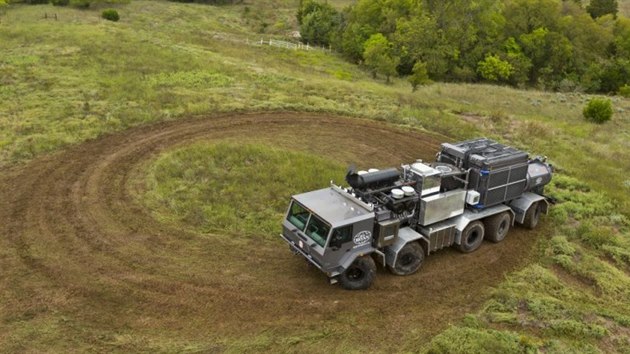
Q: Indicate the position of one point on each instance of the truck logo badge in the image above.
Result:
(362, 238)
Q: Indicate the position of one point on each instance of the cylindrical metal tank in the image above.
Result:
(373, 179)
(538, 175)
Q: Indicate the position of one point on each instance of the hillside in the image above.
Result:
(106, 134)
(624, 7)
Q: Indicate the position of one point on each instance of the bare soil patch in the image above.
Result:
(79, 250)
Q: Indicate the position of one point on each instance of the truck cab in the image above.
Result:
(328, 229)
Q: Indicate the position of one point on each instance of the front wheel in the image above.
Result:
(409, 259)
(360, 275)
(472, 236)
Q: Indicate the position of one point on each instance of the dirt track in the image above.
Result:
(80, 245)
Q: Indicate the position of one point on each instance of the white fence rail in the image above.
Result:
(288, 45)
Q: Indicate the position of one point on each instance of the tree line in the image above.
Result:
(548, 44)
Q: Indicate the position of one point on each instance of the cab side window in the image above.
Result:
(341, 235)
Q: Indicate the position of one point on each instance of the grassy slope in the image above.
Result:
(66, 81)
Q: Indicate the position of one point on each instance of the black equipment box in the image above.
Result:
(498, 172)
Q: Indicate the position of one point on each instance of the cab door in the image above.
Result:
(339, 244)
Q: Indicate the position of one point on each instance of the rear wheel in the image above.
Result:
(497, 227)
(409, 259)
(532, 216)
(472, 236)
(360, 275)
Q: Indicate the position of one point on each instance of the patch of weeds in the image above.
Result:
(209, 187)
(472, 340)
(192, 79)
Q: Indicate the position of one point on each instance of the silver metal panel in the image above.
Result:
(472, 215)
(522, 203)
(441, 206)
(405, 235)
(439, 235)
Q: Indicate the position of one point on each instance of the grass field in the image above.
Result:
(69, 81)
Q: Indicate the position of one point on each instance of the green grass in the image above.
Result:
(574, 299)
(67, 81)
(232, 189)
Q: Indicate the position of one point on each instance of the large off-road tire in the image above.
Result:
(532, 216)
(360, 275)
(409, 260)
(472, 237)
(497, 227)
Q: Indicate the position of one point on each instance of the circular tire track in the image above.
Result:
(81, 244)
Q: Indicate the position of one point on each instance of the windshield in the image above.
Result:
(298, 216)
(312, 225)
(317, 230)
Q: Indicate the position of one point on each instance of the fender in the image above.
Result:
(405, 235)
(521, 204)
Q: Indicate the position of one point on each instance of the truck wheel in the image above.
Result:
(409, 259)
(359, 275)
(532, 216)
(498, 227)
(472, 236)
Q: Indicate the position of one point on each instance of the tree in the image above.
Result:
(524, 16)
(378, 58)
(419, 75)
(521, 64)
(598, 8)
(307, 7)
(418, 39)
(492, 68)
(319, 25)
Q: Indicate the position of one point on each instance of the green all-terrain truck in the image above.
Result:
(475, 190)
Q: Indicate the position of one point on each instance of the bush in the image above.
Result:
(60, 2)
(625, 91)
(419, 75)
(110, 14)
(598, 110)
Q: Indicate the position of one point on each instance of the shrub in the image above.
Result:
(60, 2)
(625, 90)
(419, 75)
(492, 68)
(598, 110)
(111, 15)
